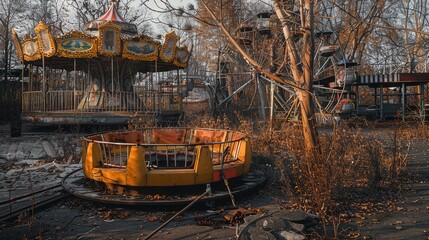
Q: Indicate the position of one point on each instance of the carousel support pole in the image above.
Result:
(158, 107)
(112, 72)
(74, 86)
(149, 89)
(271, 105)
(43, 83)
(67, 80)
(119, 88)
(22, 86)
(179, 84)
(31, 78)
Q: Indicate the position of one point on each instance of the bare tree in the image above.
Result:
(9, 12)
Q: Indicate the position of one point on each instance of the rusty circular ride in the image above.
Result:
(163, 166)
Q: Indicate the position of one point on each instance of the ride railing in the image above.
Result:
(61, 100)
(32, 101)
(97, 101)
(168, 148)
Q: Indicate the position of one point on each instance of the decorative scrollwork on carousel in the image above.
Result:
(45, 41)
(141, 48)
(17, 45)
(109, 39)
(182, 57)
(76, 44)
(168, 50)
(30, 49)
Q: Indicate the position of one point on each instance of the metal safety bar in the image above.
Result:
(180, 152)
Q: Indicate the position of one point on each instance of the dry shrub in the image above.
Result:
(353, 162)
(141, 123)
(354, 157)
(208, 121)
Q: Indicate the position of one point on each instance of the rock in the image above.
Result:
(272, 224)
(258, 234)
(250, 218)
(11, 151)
(298, 216)
(37, 152)
(298, 227)
(289, 235)
(49, 149)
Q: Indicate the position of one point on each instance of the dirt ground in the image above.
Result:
(406, 217)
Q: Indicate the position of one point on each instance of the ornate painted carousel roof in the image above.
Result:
(108, 41)
(112, 15)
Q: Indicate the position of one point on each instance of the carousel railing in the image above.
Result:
(97, 101)
(114, 148)
(61, 100)
(32, 101)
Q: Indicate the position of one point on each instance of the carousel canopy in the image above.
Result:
(60, 51)
(112, 15)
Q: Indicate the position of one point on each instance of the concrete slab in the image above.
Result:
(11, 151)
(49, 149)
(37, 152)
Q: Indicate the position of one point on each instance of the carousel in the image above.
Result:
(90, 76)
(164, 166)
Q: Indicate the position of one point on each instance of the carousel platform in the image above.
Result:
(82, 118)
(159, 166)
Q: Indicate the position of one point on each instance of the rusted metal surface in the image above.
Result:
(77, 185)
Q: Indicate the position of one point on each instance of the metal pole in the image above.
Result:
(179, 83)
(22, 87)
(208, 191)
(113, 87)
(44, 83)
(112, 73)
(31, 78)
(74, 85)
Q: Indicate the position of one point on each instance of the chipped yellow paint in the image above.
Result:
(244, 155)
(114, 175)
(136, 167)
(203, 166)
(92, 159)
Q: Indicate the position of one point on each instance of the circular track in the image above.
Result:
(76, 184)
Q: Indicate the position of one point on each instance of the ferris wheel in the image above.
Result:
(334, 75)
(263, 40)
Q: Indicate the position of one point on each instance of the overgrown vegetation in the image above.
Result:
(359, 162)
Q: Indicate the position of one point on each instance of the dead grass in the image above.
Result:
(358, 161)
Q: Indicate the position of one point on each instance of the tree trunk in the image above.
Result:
(308, 123)
(303, 76)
